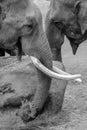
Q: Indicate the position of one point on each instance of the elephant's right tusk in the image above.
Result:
(64, 73)
(50, 73)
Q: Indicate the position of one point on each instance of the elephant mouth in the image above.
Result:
(56, 73)
(73, 35)
(7, 45)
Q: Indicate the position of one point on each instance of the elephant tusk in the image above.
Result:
(64, 73)
(50, 73)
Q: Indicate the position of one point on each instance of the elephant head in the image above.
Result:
(22, 23)
(66, 18)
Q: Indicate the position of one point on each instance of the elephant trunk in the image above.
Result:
(38, 47)
(44, 50)
(43, 53)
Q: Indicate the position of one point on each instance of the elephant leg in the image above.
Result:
(2, 52)
(57, 100)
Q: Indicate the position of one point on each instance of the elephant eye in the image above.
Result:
(59, 25)
(30, 27)
(27, 29)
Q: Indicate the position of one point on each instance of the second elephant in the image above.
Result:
(66, 18)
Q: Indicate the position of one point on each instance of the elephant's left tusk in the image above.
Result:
(50, 73)
(56, 69)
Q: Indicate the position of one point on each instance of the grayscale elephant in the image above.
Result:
(21, 20)
(66, 18)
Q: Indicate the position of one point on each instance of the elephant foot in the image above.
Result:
(27, 112)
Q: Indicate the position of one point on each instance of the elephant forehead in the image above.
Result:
(62, 10)
(18, 13)
(8, 34)
(16, 5)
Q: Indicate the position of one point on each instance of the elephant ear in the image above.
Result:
(77, 7)
(81, 12)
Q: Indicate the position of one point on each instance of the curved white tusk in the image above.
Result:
(65, 73)
(50, 73)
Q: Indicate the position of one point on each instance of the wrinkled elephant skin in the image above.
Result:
(66, 17)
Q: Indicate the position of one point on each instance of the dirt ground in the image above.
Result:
(73, 115)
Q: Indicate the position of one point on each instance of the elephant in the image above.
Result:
(21, 22)
(66, 18)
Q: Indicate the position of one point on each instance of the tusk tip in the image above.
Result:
(79, 80)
